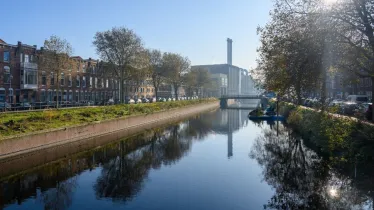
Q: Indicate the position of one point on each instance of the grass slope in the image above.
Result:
(27, 122)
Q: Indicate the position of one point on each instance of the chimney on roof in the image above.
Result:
(229, 51)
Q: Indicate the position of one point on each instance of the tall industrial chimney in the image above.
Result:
(229, 51)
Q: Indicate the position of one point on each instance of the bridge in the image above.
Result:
(241, 97)
(224, 98)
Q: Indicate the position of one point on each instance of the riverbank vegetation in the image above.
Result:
(317, 48)
(339, 137)
(27, 122)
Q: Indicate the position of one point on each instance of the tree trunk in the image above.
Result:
(121, 98)
(372, 98)
(298, 92)
(58, 89)
(156, 92)
(323, 90)
(176, 92)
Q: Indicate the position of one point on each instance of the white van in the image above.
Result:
(358, 98)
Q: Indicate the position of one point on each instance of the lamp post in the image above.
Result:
(10, 85)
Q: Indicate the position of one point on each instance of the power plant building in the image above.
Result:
(239, 81)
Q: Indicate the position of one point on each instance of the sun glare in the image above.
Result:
(333, 192)
(330, 2)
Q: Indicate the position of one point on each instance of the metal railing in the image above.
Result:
(242, 96)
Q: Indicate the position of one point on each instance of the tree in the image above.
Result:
(295, 51)
(55, 58)
(138, 71)
(119, 47)
(203, 80)
(175, 67)
(355, 35)
(155, 68)
(190, 81)
(197, 80)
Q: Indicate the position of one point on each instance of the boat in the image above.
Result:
(267, 117)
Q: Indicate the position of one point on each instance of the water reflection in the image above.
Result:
(120, 171)
(124, 166)
(302, 180)
(228, 121)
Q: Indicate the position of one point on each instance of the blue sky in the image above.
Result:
(194, 28)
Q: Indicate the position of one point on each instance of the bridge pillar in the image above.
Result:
(223, 103)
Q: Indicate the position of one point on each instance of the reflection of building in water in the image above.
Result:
(228, 121)
(229, 145)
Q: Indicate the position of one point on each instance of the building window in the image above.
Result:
(102, 83)
(52, 78)
(43, 96)
(95, 82)
(90, 82)
(44, 78)
(84, 68)
(62, 80)
(31, 77)
(84, 81)
(6, 56)
(26, 58)
(70, 81)
(78, 81)
(2, 95)
(107, 83)
(21, 57)
(7, 76)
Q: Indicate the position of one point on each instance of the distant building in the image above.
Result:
(239, 81)
(220, 81)
(167, 91)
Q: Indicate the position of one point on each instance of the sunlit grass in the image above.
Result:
(26, 122)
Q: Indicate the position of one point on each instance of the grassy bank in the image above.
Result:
(27, 122)
(335, 136)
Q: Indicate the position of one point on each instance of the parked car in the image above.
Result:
(145, 100)
(358, 98)
(349, 108)
(138, 101)
(336, 102)
(152, 100)
(361, 110)
(160, 99)
(5, 106)
(131, 101)
(110, 101)
(22, 106)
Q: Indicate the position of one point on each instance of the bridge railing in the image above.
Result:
(242, 96)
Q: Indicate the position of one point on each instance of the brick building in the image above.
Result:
(18, 72)
(21, 80)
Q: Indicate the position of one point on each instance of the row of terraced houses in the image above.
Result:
(21, 80)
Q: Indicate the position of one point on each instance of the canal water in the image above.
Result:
(217, 160)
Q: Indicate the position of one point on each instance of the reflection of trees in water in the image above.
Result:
(301, 179)
(59, 197)
(123, 176)
(125, 166)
